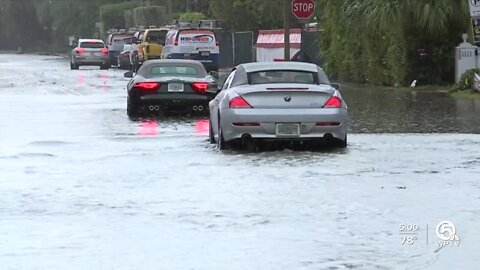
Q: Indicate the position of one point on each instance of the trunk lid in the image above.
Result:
(286, 96)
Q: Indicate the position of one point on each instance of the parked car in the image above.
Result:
(278, 101)
(123, 59)
(151, 44)
(89, 52)
(169, 85)
(195, 44)
(115, 44)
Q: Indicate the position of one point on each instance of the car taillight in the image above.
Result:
(79, 50)
(147, 86)
(200, 86)
(238, 103)
(333, 102)
(104, 50)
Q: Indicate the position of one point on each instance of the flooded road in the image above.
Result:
(83, 187)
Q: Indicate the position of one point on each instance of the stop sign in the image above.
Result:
(303, 9)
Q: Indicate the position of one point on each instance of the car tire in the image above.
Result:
(211, 137)
(74, 66)
(221, 143)
(342, 143)
(132, 108)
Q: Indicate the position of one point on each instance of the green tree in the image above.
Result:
(392, 42)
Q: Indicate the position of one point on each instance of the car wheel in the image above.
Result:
(211, 137)
(342, 143)
(221, 143)
(132, 108)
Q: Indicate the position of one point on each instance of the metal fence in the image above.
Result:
(236, 48)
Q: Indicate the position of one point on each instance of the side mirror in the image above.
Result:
(128, 74)
(336, 86)
(214, 74)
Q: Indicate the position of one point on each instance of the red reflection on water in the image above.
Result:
(202, 126)
(148, 128)
(105, 77)
(81, 78)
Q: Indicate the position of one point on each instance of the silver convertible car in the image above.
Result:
(278, 101)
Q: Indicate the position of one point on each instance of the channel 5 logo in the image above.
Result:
(447, 233)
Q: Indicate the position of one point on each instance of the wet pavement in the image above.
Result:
(84, 187)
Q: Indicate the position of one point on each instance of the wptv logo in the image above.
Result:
(447, 233)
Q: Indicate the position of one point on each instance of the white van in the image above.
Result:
(195, 44)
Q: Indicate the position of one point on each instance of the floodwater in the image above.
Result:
(84, 187)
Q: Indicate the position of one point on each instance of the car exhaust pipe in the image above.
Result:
(151, 108)
(328, 137)
(195, 108)
(200, 108)
(157, 108)
(246, 138)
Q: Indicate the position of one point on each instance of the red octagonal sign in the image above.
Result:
(303, 9)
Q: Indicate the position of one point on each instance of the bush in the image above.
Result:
(112, 15)
(466, 80)
(152, 15)
(192, 16)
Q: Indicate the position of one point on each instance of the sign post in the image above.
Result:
(286, 27)
(302, 10)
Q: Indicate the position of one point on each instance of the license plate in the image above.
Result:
(289, 130)
(175, 87)
(205, 53)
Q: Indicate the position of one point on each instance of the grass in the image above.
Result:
(465, 94)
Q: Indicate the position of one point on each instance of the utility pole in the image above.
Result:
(286, 26)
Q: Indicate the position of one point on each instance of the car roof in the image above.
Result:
(288, 65)
(89, 40)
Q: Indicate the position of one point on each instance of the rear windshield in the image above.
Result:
(156, 37)
(179, 70)
(92, 45)
(282, 76)
(119, 41)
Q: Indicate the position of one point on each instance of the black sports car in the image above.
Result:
(170, 85)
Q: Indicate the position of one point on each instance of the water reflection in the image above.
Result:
(404, 111)
(152, 127)
(148, 128)
(202, 126)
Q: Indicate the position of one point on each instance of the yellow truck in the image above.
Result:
(151, 44)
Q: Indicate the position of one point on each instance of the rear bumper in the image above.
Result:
(173, 101)
(268, 118)
(92, 61)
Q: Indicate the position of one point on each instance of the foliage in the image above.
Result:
(390, 42)
(248, 14)
(192, 16)
(152, 15)
(112, 15)
(466, 80)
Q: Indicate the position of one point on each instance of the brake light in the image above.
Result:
(104, 50)
(80, 50)
(200, 86)
(333, 102)
(147, 86)
(238, 103)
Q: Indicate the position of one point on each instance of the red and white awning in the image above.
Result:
(275, 38)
